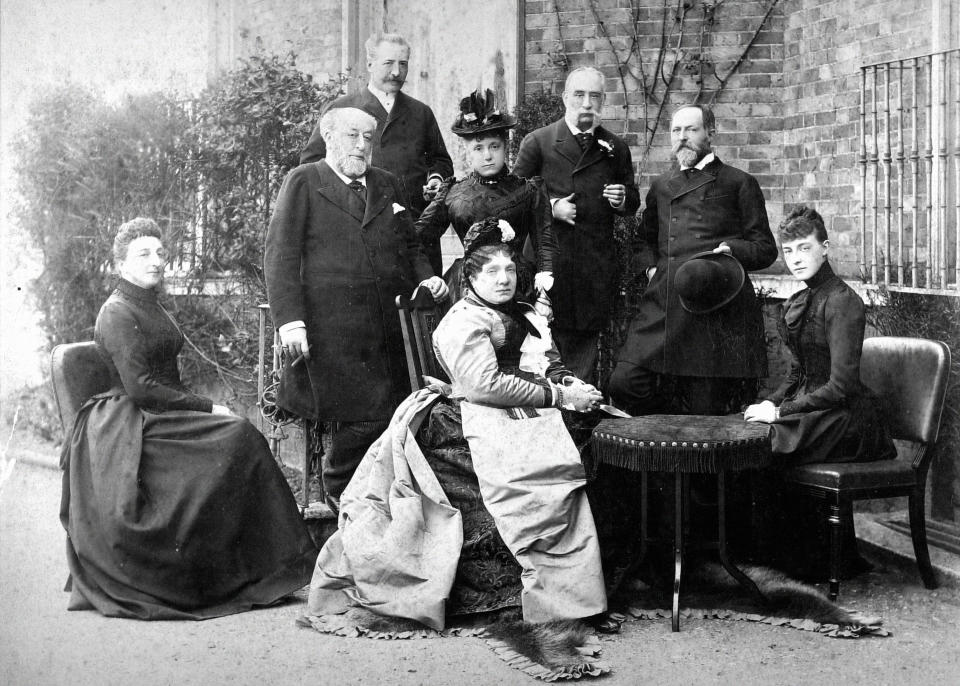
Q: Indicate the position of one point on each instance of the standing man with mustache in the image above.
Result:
(407, 141)
(589, 176)
(340, 247)
(706, 363)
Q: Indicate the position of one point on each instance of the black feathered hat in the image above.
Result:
(479, 113)
(486, 232)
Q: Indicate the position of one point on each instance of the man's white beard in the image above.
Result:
(354, 167)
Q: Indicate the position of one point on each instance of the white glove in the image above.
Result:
(543, 281)
(507, 233)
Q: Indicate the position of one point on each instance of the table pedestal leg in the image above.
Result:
(677, 548)
(732, 569)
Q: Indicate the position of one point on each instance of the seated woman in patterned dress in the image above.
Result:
(494, 453)
(174, 507)
(490, 190)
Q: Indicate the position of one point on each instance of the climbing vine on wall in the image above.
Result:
(651, 65)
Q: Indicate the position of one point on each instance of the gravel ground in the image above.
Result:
(41, 643)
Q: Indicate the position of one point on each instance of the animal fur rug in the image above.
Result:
(709, 592)
(562, 650)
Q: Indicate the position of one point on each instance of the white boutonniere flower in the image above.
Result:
(507, 233)
(398, 208)
(606, 145)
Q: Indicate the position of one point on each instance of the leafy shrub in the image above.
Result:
(250, 127)
(207, 170)
(83, 168)
(535, 110)
(936, 318)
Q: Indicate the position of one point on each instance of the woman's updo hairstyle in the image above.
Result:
(129, 232)
(483, 240)
(801, 222)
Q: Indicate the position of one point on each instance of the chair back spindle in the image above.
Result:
(419, 317)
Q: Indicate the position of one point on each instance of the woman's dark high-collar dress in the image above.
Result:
(171, 512)
(826, 413)
(521, 202)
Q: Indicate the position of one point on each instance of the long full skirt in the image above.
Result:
(178, 515)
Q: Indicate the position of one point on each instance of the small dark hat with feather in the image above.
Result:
(486, 232)
(479, 113)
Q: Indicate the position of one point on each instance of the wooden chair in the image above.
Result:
(910, 376)
(78, 373)
(419, 316)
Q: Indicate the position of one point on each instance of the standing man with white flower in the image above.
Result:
(589, 176)
(340, 247)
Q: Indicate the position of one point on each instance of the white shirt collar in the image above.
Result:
(574, 130)
(707, 159)
(346, 179)
(386, 99)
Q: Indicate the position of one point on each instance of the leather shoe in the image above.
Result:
(604, 624)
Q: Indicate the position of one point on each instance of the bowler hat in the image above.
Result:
(708, 281)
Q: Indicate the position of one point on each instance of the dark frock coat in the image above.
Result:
(171, 512)
(685, 216)
(585, 269)
(337, 264)
(826, 413)
(408, 142)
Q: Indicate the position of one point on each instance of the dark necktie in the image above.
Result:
(585, 140)
(359, 188)
(691, 172)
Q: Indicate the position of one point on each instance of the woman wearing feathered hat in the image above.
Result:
(491, 191)
(498, 479)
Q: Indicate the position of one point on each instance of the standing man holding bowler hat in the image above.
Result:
(699, 329)
(589, 176)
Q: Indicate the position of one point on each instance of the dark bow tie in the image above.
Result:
(585, 140)
(359, 188)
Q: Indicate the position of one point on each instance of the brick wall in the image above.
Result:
(826, 44)
(788, 115)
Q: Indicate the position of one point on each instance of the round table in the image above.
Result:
(684, 445)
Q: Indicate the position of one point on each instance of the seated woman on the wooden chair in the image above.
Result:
(821, 412)
(499, 508)
(174, 507)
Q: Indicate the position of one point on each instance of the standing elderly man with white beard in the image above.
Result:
(696, 345)
(340, 248)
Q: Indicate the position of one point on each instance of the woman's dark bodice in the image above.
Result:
(139, 344)
(521, 202)
(508, 351)
(823, 327)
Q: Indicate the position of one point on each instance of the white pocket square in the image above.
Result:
(397, 208)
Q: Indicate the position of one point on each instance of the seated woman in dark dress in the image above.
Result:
(491, 454)
(174, 507)
(821, 412)
(490, 190)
